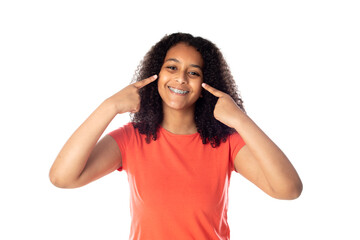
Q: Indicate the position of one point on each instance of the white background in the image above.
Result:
(296, 64)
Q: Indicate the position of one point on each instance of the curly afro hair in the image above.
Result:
(216, 73)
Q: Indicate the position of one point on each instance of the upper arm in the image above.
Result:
(246, 164)
(104, 159)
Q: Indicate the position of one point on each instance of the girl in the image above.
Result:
(188, 132)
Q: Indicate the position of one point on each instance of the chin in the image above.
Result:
(178, 106)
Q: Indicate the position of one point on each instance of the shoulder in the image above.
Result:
(123, 135)
(236, 142)
(127, 129)
(235, 138)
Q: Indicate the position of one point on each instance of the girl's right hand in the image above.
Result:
(128, 99)
(83, 158)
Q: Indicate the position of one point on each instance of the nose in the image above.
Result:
(182, 78)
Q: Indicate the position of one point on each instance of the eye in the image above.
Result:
(171, 67)
(194, 74)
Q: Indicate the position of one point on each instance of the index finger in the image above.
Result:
(145, 82)
(213, 91)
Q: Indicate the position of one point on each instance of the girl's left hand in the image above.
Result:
(226, 110)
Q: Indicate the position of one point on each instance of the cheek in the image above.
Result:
(162, 77)
(197, 88)
(161, 81)
(161, 85)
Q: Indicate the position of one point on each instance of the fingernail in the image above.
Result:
(155, 76)
(203, 84)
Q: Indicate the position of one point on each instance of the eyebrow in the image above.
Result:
(175, 60)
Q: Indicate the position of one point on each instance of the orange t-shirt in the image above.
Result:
(178, 185)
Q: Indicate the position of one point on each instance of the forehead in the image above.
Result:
(184, 54)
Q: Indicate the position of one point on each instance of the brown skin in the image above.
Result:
(181, 70)
(83, 159)
(260, 160)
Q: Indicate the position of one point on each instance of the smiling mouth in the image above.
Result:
(178, 91)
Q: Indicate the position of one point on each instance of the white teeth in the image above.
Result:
(178, 90)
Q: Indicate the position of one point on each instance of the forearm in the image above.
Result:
(266, 164)
(276, 167)
(73, 157)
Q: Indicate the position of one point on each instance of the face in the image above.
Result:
(180, 77)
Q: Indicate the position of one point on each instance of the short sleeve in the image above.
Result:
(122, 137)
(236, 143)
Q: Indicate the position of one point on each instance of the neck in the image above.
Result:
(179, 121)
